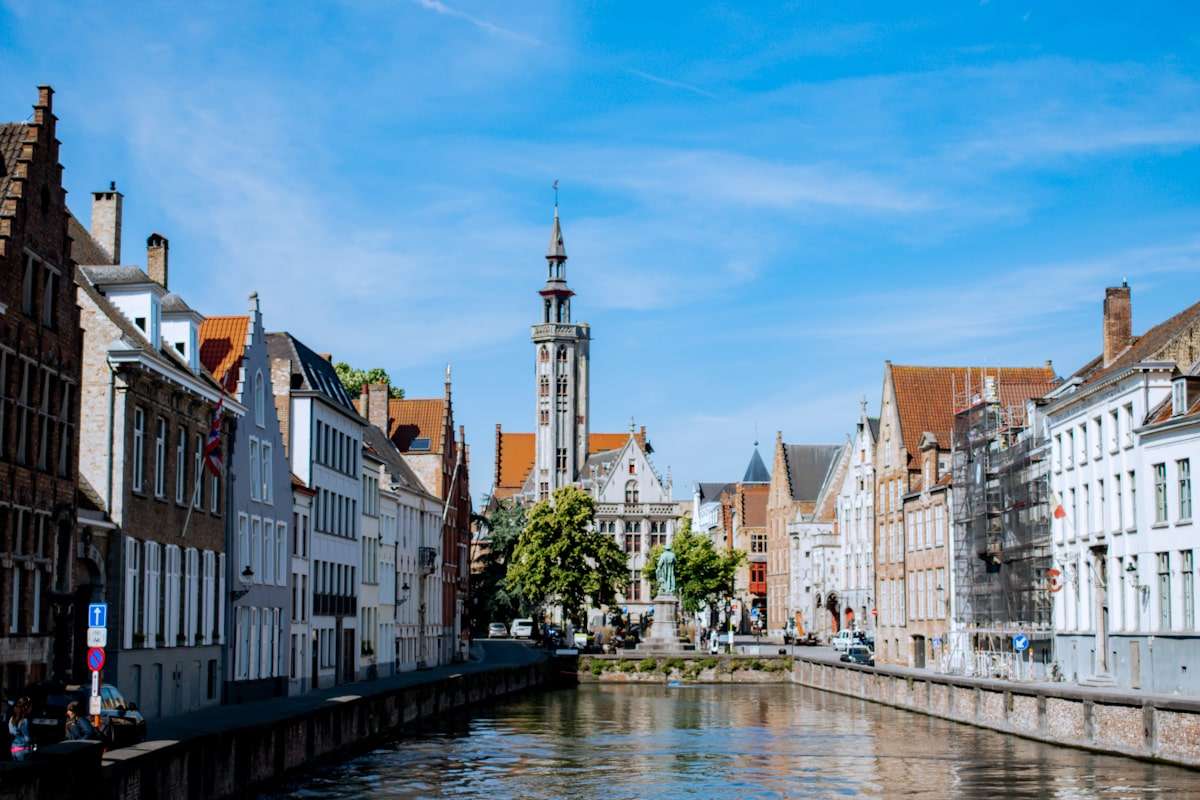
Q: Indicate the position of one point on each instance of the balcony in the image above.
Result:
(427, 559)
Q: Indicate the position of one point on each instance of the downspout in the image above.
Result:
(112, 403)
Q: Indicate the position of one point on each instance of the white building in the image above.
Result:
(815, 555)
(371, 654)
(302, 666)
(1124, 438)
(856, 523)
(324, 446)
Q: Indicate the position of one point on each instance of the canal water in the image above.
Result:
(725, 742)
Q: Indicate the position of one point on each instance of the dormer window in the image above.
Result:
(1179, 397)
(140, 322)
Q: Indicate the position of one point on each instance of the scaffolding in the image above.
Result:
(1001, 517)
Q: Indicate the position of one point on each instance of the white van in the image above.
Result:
(842, 640)
(521, 629)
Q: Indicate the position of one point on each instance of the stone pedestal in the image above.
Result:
(664, 634)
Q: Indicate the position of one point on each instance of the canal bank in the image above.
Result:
(231, 751)
(1152, 727)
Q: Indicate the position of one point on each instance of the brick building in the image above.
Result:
(148, 405)
(797, 475)
(913, 563)
(41, 586)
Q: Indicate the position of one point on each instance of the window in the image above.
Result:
(255, 471)
(1164, 591)
(1114, 430)
(256, 548)
(1058, 452)
(1098, 436)
(1183, 469)
(1119, 502)
(758, 543)
(635, 585)
(181, 466)
(1133, 508)
(1160, 493)
(544, 386)
(197, 467)
(160, 458)
(560, 461)
(1187, 573)
(1103, 525)
(631, 492)
(1178, 397)
(214, 494)
(1069, 453)
(1129, 424)
(49, 297)
(133, 625)
(281, 553)
(139, 446)
(260, 402)
(1086, 519)
(544, 417)
(267, 493)
(1083, 442)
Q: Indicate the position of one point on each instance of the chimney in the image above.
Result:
(1118, 321)
(156, 258)
(106, 221)
(327, 356)
(375, 408)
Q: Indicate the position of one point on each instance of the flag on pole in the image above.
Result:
(1059, 511)
(212, 447)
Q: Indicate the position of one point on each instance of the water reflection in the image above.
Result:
(724, 742)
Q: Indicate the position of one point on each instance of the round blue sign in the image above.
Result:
(1020, 643)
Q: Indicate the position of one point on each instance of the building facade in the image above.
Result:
(324, 435)
(43, 590)
(302, 651)
(234, 350)
(148, 409)
(1123, 442)
(856, 525)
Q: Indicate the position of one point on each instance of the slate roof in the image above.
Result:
(756, 470)
(84, 249)
(1144, 347)
(315, 373)
(173, 304)
(807, 467)
(223, 344)
(116, 274)
(515, 456)
(873, 424)
(710, 492)
(12, 135)
(417, 419)
(925, 395)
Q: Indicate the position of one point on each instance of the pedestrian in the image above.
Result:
(78, 726)
(18, 729)
(713, 642)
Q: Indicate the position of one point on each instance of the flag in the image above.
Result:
(1059, 511)
(212, 447)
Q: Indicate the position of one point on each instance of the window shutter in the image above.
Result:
(209, 587)
(220, 599)
(131, 575)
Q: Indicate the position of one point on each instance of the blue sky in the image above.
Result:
(760, 206)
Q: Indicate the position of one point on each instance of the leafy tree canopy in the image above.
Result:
(491, 598)
(703, 575)
(560, 557)
(353, 379)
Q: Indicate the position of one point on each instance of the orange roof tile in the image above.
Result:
(223, 344)
(515, 456)
(417, 419)
(925, 396)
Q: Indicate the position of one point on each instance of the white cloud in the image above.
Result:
(482, 24)
(687, 87)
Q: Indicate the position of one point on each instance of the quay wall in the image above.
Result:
(1159, 728)
(241, 759)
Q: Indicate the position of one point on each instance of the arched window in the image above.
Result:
(546, 305)
(562, 385)
(562, 355)
(260, 401)
(631, 492)
(544, 354)
(544, 386)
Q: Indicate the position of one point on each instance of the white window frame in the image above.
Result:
(139, 447)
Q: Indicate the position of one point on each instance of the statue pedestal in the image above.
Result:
(664, 635)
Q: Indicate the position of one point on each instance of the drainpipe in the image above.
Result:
(112, 403)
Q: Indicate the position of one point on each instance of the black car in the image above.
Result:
(859, 654)
(121, 719)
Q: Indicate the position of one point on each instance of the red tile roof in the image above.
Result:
(223, 344)
(417, 419)
(925, 396)
(515, 456)
(1144, 347)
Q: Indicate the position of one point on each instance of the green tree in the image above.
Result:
(491, 599)
(703, 575)
(353, 379)
(561, 558)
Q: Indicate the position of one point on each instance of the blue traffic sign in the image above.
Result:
(98, 615)
(1020, 643)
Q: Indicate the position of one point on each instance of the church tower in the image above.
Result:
(561, 369)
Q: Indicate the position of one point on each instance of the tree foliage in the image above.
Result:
(353, 379)
(561, 558)
(703, 575)
(492, 600)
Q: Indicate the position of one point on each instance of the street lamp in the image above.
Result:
(405, 591)
(246, 576)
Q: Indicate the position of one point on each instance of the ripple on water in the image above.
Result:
(724, 742)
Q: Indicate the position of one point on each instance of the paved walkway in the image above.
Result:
(1097, 693)
(484, 656)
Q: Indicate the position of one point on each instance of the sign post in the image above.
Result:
(97, 639)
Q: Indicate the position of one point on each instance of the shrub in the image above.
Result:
(709, 663)
(597, 668)
(626, 666)
(648, 664)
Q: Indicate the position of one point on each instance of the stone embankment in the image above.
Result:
(1152, 727)
(233, 751)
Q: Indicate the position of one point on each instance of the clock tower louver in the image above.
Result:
(561, 370)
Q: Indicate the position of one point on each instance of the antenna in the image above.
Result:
(556, 194)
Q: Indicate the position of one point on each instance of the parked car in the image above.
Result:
(842, 640)
(497, 630)
(859, 654)
(47, 723)
(522, 629)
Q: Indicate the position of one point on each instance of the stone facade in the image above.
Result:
(856, 524)
(44, 590)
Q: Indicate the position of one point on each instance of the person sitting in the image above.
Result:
(79, 727)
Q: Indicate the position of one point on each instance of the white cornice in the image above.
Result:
(186, 381)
